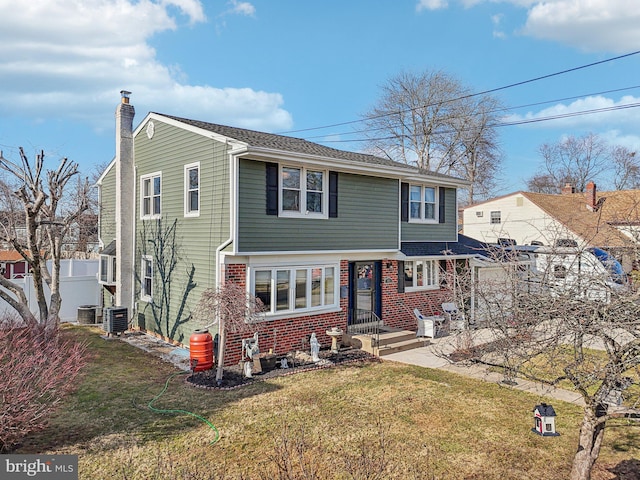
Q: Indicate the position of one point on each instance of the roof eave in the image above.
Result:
(352, 166)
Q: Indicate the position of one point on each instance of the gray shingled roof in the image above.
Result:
(297, 145)
(464, 246)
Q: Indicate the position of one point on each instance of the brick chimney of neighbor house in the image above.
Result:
(590, 196)
(125, 203)
(567, 189)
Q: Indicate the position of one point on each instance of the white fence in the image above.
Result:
(78, 286)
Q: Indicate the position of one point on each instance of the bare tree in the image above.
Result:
(432, 121)
(46, 219)
(477, 157)
(574, 160)
(545, 183)
(626, 165)
(566, 318)
(159, 241)
(232, 309)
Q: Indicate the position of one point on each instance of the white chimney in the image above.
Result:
(125, 203)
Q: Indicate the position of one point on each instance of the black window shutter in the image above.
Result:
(441, 205)
(333, 194)
(404, 202)
(400, 276)
(272, 188)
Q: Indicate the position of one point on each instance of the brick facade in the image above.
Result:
(290, 334)
(397, 308)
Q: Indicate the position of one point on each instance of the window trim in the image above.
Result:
(152, 215)
(303, 213)
(436, 206)
(111, 270)
(144, 295)
(187, 191)
(291, 311)
(409, 283)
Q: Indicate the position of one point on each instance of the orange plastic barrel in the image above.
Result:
(201, 350)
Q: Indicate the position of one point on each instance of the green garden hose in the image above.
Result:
(169, 411)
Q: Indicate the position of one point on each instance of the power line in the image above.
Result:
(509, 123)
(511, 85)
(503, 109)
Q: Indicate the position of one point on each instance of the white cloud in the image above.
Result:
(589, 25)
(69, 59)
(191, 8)
(593, 25)
(570, 115)
(242, 8)
(431, 5)
(497, 20)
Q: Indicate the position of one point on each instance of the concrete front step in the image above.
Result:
(395, 336)
(401, 346)
(388, 342)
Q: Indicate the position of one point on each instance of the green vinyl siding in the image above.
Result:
(435, 232)
(108, 207)
(367, 216)
(183, 248)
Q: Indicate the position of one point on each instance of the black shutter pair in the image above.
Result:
(272, 191)
(404, 203)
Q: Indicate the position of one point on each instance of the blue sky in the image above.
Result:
(291, 65)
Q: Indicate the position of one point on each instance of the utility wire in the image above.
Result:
(507, 123)
(502, 109)
(497, 89)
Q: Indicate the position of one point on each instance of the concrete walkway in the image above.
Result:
(434, 356)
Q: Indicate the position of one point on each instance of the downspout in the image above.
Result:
(232, 221)
(134, 237)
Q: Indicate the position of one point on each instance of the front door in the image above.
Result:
(364, 288)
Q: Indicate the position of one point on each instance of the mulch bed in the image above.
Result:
(233, 377)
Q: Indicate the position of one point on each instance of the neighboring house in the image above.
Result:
(12, 265)
(608, 220)
(82, 237)
(319, 235)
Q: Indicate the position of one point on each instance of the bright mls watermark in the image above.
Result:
(51, 467)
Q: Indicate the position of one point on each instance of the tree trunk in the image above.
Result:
(222, 340)
(589, 443)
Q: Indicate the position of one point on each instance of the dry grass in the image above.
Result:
(373, 421)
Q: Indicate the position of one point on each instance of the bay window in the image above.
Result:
(295, 289)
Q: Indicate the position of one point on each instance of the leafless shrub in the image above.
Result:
(37, 371)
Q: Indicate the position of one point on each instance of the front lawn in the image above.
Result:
(372, 420)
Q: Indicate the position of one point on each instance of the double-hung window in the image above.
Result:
(146, 278)
(284, 290)
(303, 192)
(192, 190)
(421, 274)
(150, 195)
(422, 203)
(496, 217)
